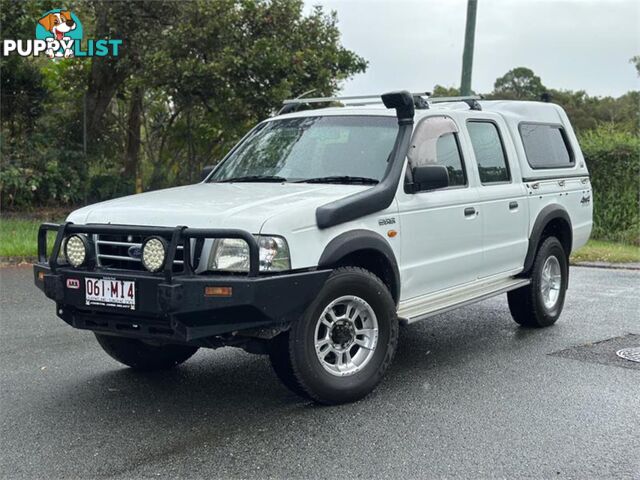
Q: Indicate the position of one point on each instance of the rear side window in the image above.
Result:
(489, 151)
(545, 146)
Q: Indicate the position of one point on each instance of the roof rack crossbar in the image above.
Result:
(471, 100)
(422, 100)
(373, 98)
(454, 99)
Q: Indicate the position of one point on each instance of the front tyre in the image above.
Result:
(540, 303)
(143, 356)
(278, 350)
(342, 346)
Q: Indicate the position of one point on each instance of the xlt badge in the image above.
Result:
(387, 221)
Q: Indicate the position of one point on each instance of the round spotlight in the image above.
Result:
(75, 249)
(154, 253)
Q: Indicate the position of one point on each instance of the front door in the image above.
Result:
(441, 230)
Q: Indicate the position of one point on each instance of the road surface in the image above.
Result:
(470, 394)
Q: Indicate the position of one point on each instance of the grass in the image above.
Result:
(18, 238)
(601, 251)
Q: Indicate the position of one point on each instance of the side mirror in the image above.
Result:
(206, 171)
(430, 177)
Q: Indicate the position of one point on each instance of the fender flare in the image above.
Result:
(546, 215)
(355, 240)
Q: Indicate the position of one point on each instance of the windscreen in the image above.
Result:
(313, 148)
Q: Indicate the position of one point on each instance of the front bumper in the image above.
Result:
(173, 306)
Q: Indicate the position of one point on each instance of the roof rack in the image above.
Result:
(471, 100)
(419, 100)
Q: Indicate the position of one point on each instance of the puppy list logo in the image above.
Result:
(59, 35)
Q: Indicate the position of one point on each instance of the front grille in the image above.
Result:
(112, 251)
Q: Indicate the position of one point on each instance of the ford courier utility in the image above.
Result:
(323, 230)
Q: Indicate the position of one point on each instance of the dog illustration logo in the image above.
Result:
(60, 28)
(59, 35)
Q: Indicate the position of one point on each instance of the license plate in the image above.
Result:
(110, 293)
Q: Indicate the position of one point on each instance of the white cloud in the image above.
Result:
(579, 44)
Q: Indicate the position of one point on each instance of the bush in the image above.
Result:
(38, 174)
(613, 159)
(108, 185)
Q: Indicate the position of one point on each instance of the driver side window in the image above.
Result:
(435, 142)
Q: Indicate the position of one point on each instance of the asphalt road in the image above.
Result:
(470, 395)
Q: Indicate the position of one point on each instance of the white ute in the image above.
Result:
(325, 229)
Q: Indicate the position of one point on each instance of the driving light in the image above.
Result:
(154, 253)
(75, 250)
(232, 255)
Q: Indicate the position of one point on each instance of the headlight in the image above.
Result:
(274, 254)
(154, 253)
(75, 249)
(232, 255)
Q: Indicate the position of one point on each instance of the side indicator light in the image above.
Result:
(41, 276)
(218, 291)
(391, 233)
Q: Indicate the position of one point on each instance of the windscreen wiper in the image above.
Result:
(254, 178)
(341, 179)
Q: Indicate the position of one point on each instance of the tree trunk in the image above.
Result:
(132, 153)
(105, 78)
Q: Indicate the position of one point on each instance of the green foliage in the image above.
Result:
(636, 63)
(613, 159)
(587, 112)
(441, 91)
(206, 73)
(519, 84)
(229, 64)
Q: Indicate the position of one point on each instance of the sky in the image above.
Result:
(416, 44)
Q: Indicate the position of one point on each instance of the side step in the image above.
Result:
(425, 306)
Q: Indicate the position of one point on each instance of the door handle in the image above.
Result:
(513, 205)
(469, 211)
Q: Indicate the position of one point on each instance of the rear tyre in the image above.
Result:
(342, 346)
(540, 303)
(143, 356)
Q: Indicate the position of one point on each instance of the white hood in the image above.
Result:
(216, 205)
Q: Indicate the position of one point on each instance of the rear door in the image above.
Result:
(441, 240)
(502, 197)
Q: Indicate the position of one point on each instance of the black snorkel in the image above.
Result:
(380, 196)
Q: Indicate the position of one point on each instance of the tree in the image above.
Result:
(519, 84)
(137, 24)
(228, 64)
(190, 79)
(441, 91)
(636, 62)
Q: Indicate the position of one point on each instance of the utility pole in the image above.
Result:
(467, 55)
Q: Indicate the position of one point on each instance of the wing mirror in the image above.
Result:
(206, 171)
(429, 177)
